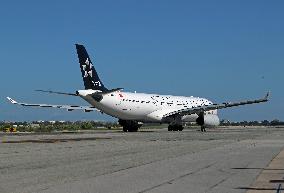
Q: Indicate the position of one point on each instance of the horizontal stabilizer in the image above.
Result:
(55, 92)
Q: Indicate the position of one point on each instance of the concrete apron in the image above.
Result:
(271, 179)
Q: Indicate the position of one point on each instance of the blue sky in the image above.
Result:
(220, 50)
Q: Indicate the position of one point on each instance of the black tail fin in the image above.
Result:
(89, 74)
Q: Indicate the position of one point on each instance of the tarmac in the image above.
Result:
(222, 160)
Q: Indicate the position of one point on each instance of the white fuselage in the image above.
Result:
(144, 107)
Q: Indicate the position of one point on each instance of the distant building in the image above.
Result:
(35, 125)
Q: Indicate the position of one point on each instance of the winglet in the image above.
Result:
(12, 101)
(267, 96)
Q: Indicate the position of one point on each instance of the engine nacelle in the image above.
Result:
(209, 120)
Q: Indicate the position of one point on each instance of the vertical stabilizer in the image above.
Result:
(89, 73)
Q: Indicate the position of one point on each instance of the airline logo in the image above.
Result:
(88, 68)
(88, 72)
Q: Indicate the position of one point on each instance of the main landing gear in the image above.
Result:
(175, 128)
(129, 126)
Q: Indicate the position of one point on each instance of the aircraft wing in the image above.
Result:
(199, 109)
(67, 107)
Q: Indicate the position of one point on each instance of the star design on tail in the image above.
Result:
(88, 68)
(88, 72)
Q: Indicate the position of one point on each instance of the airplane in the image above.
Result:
(134, 109)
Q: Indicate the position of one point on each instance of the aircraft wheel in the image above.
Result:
(133, 129)
(176, 128)
(180, 128)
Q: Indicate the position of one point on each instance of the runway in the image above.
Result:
(221, 160)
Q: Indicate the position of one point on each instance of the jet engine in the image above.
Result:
(208, 120)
